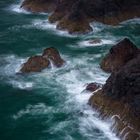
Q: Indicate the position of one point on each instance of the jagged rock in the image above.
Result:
(93, 87)
(119, 55)
(53, 55)
(121, 96)
(38, 63)
(35, 64)
(75, 16)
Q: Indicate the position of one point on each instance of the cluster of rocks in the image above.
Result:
(76, 15)
(119, 98)
(39, 62)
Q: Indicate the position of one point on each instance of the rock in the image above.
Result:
(119, 55)
(93, 87)
(38, 63)
(132, 136)
(120, 96)
(75, 16)
(35, 64)
(53, 55)
(95, 41)
(39, 5)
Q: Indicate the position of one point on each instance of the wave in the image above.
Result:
(91, 43)
(38, 109)
(46, 25)
(11, 65)
(16, 8)
(131, 21)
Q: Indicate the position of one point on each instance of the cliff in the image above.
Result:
(75, 16)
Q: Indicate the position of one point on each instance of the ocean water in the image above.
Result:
(52, 105)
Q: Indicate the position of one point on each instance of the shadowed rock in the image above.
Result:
(119, 55)
(120, 96)
(75, 16)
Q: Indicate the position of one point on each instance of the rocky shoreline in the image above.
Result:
(119, 98)
(75, 16)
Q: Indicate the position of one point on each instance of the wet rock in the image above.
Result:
(75, 16)
(132, 136)
(93, 87)
(39, 5)
(38, 63)
(119, 55)
(120, 96)
(53, 55)
(35, 64)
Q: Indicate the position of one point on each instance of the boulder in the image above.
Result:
(93, 87)
(119, 55)
(35, 64)
(53, 55)
(38, 63)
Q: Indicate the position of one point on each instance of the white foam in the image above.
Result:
(10, 69)
(46, 25)
(38, 109)
(16, 8)
(131, 21)
(90, 122)
(88, 43)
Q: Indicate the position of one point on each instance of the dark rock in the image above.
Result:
(120, 96)
(93, 87)
(125, 85)
(39, 5)
(53, 55)
(35, 64)
(119, 55)
(38, 63)
(75, 16)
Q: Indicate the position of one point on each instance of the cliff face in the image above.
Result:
(120, 97)
(75, 16)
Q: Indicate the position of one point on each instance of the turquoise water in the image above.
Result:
(51, 105)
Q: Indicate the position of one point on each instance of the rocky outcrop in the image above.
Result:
(38, 63)
(119, 55)
(75, 16)
(119, 98)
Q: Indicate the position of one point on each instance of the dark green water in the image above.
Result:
(51, 105)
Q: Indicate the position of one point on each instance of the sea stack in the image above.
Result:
(39, 62)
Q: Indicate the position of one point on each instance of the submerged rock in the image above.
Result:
(119, 55)
(93, 87)
(75, 16)
(38, 63)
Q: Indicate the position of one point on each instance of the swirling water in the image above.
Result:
(51, 105)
